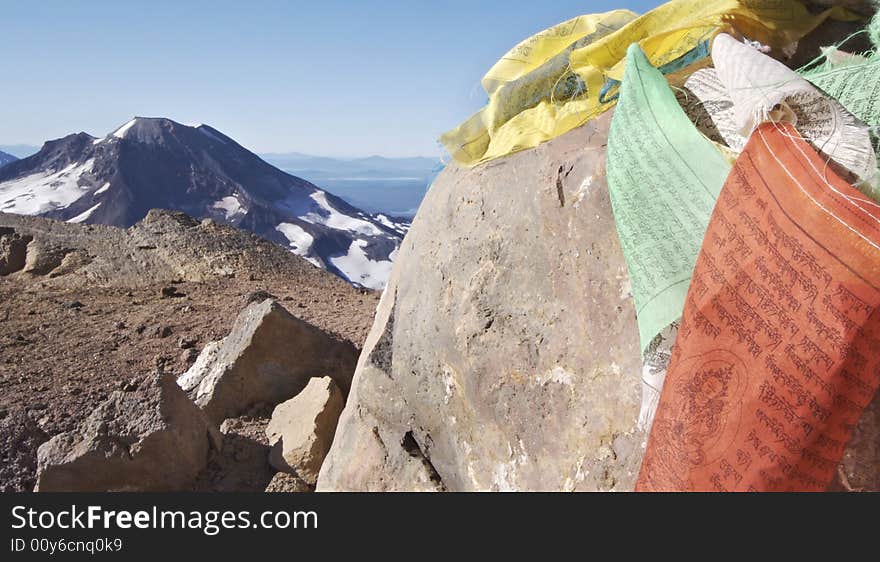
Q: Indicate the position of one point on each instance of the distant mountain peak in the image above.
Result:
(154, 162)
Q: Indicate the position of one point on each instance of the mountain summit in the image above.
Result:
(152, 163)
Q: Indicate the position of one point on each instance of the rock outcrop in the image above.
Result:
(268, 357)
(148, 438)
(301, 430)
(43, 258)
(13, 250)
(504, 354)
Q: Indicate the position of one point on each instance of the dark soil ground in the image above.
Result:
(67, 341)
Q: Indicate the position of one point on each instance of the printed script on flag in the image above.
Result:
(778, 351)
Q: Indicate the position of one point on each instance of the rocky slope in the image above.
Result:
(152, 163)
(89, 308)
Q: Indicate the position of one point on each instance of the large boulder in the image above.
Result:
(20, 437)
(302, 429)
(149, 438)
(268, 357)
(43, 257)
(504, 353)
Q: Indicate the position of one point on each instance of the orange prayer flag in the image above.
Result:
(779, 347)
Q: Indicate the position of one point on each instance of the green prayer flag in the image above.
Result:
(856, 86)
(664, 177)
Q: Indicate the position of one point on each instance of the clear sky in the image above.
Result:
(324, 77)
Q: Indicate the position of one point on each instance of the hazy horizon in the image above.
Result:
(334, 79)
(16, 148)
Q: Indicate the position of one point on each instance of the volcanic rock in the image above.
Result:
(149, 438)
(269, 356)
(302, 429)
(504, 354)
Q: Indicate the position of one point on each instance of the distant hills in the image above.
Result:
(6, 158)
(343, 168)
(377, 184)
(19, 150)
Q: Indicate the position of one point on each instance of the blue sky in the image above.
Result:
(323, 77)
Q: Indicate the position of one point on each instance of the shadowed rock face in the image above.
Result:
(504, 354)
(13, 250)
(866, 7)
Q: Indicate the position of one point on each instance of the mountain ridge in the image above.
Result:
(151, 163)
(6, 158)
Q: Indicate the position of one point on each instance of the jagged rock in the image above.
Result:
(20, 436)
(269, 356)
(286, 482)
(504, 353)
(43, 257)
(150, 438)
(302, 429)
(13, 250)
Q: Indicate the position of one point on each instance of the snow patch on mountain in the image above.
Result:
(102, 189)
(399, 227)
(300, 240)
(336, 220)
(120, 132)
(360, 269)
(84, 215)
(44, 191)
(231, 206)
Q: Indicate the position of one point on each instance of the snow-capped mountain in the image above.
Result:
(6, 158)
(157, 163)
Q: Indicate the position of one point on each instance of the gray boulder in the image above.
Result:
(504, 353)
(268, 357)
(302, 428)
(150, 438)
(43, 257)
